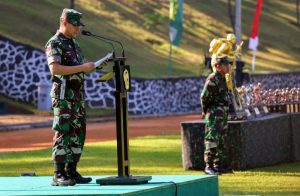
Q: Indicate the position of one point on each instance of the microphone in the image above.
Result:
(88, 33)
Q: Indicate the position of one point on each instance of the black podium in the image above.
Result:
(123, 84)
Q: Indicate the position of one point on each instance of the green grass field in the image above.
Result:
(143, 28)
(158, 155)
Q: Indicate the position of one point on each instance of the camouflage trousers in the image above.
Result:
(215, 137)
(69, 125)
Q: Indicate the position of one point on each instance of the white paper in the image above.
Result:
(102, 60)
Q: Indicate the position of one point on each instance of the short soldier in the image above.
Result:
(214, 101)
(66, 63)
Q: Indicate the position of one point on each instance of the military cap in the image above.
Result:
(72, 16)
(223, 60)
(218, 60)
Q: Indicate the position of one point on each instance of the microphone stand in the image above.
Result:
(116, 41)
(123, 85)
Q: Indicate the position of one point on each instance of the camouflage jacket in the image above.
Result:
(214, 93)
(68, 53)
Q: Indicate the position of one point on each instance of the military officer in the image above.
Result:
(215, 101)
(67, 66)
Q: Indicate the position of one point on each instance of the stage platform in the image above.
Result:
(160, 185)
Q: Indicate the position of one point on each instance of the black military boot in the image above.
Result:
(60, 177)
(222, 170)
(209, 169)
(72, 173)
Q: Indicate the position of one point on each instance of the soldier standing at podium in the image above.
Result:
(215, 105)
(67, 66)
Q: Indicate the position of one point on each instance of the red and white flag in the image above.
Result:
(253, 42)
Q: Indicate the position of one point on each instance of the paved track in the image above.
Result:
(41, 138)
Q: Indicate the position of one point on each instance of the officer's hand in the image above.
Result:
(88, 67)
(202, 115)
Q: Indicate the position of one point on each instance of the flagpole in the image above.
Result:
(170, 61)
(253, 61)
(238, 16)
(253, 42)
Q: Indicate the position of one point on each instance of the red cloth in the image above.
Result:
(253, 43)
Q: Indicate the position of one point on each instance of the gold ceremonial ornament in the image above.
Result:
(106, 76)
(126, 79)
(242, 95)
(222, 46)
(229, 81)
(231, 38)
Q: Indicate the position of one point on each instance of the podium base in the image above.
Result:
(124, 180)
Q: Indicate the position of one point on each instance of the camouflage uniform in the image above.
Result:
(68, 102)
(214, 101)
